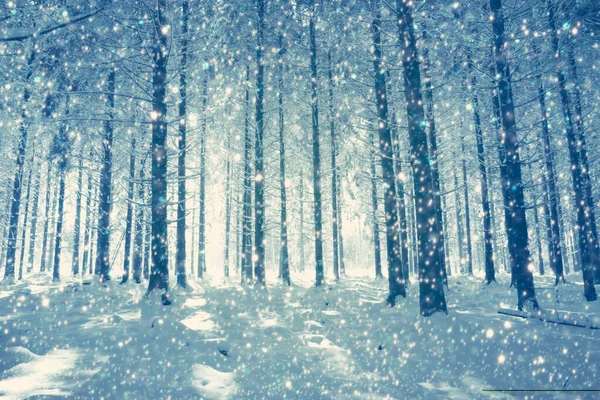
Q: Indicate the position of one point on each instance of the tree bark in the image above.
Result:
(59, 226)
(433, 155)
(129, 216)
(536, 226)
(159, 272)
(431, 289)
(46, 219)
(284, 258)
(301, 234)
(467, 208)
(138, 247)
(9, 271)
(375, 216)
(202, 222)
(490, 274)
(517, 225)
(247, 199)
(53, 223)
(77, 225)
(393, 242)
(26, 216)
(316, 151)
(584, 229)
(181, 256)
(401, 203)
(554, 234)
(103, 239)
(34, 222)
(585, 169)
(88, 218)
(334, 171)
(227, 206)
(259, 173)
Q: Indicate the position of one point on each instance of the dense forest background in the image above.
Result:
(263, 139)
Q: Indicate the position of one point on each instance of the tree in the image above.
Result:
(9, 271)
(316, 148)
(431, 290)
(393, 245)
(77, 224)
(247, 188)
(180, 256)
(129, 216)
(583, 227)
(159, 274)
(60, 155)
(259, 173)
(375, 216)
(284, 260)
(517, 223)
(490, 274)
(103, 237)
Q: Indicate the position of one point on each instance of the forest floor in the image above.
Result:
(219, 340)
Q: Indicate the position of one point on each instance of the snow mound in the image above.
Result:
(212, 383)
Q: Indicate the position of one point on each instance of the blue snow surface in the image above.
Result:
(219, 340)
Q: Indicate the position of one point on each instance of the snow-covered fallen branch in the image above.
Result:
(557, 317)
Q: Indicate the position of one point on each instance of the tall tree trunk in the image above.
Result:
(375, 216)
(148, 230)
(247, 200)
(103, 240)
(536, 226)
(301, 234)
(259, 173)
(26, 216)
(202, 222)
(46, 219)
(227, 206)
(318, 212)
(159, 272)
(460, 230)
(519, 250)
(431, 289)
(490, 274)
(469, 259)
(401, 206)
(238, 235)
(9, 271)
(77, 225)
(193, 255)
(445, 223)
(284, 258)
(138, 245)
(393, 245)
(53, 219)
(340, 224)
(433, 155)
(34, 222)
(180, 256)
(334, 171)
(88, 221)
(554, 234)
(498, 257)
(129, 217)
(59, 225)
(585, 170)
(584, 228)
(504, 184)
(547, 221)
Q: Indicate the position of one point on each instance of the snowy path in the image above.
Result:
(223, 341)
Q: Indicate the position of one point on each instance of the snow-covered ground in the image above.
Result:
(219, 340)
